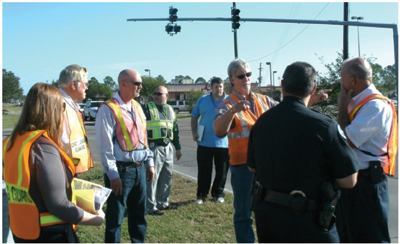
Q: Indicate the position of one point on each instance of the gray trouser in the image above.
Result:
(159, 188)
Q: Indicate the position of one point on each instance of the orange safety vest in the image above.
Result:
(238, 137)
(25, 219)
(128, 132)
(78, 140)
(392, 142)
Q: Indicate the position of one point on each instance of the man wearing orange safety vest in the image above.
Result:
(126, 158)
(73, 84)
(369, 121)
(235, 117)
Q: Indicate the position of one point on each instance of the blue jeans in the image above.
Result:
(134, 198)
(241, 180)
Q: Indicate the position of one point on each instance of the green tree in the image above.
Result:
(54, 83)
(161, 78)
(93, 80)
(11, 86)
(98, 91)
(192, 98)
(200, 80)
(149, 84)
(108, 81)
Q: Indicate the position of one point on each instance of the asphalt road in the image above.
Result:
(187, 166)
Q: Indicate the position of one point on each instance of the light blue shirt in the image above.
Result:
(205, 109)
(108, 146)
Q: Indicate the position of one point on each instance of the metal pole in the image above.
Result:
(396, 54)
(259, 78)
(358, 34)
(235, 37)
(346, 32)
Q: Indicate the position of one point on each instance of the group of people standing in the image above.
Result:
(291, 149)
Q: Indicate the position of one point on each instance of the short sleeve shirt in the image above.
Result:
(294, 148)
(205, 110)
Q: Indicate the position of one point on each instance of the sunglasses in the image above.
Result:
(158, 93)
(137, 83)
(240, 77)
(64, 106)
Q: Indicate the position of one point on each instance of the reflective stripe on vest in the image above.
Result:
(129, 132)
(25, 220)
(238, 137)
(389, 168)
(78, 141)
(155, 124)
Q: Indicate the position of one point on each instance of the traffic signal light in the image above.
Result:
(172, 14)
(235, 18)
(169, 28)
(177, 28)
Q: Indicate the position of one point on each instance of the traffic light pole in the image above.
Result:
(235, 38)
(299, 21)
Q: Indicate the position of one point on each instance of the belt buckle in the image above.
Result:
(298, 201)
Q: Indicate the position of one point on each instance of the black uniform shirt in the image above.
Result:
(295, 148)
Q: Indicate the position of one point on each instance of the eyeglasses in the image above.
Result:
(240, 77)
(158, 93)
(86, 85)
(137, 83)
(64, 106)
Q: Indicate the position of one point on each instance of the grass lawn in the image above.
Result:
(11, 119)
(209, 222)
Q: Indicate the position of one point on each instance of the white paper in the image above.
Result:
(200, 132)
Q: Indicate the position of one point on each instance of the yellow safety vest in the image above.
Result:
(392, 142)
(159, 128)
(25, 219)
(78, 141)
(128, 132)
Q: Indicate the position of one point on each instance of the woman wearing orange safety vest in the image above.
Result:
(38, 173)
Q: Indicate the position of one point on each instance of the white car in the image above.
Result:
(90, 109)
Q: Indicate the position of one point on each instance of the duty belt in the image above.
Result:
(296, 200)
(126, 164)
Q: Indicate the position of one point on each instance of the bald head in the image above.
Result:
(160, 95)
(130, 84)
(356, 75)
(127, 75)
(358, 67)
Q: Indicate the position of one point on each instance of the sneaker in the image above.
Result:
(156, 213)
(220, 199)
(199, 201)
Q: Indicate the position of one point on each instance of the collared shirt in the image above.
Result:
(370, 129)
(205, 109)
(108, 146)
(223, 107)
(70, 102)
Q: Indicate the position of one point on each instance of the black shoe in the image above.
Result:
(169, 207)
(156, 213)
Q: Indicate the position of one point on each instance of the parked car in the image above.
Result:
(81, 107)
(90, 109)
(179, 106)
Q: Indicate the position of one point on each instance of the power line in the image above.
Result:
(292, 38)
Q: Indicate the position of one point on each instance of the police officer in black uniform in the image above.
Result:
(296, 152)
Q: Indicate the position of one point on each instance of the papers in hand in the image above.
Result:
(200, 132)
(90, 196)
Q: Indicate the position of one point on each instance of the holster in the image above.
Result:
(257, 192)
(327, 216)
